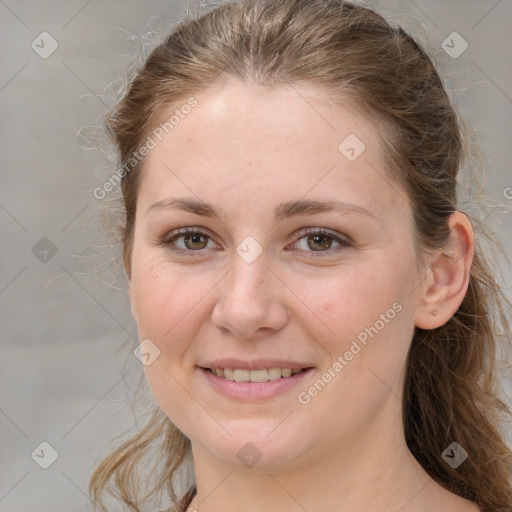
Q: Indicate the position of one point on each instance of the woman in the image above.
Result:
(314, 311)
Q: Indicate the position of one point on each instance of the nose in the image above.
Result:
(251, 300)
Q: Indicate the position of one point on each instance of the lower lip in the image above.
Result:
(253, 390)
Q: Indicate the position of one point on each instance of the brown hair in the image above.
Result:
(451, 388)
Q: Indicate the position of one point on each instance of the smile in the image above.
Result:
(252, 385)
(262, 375)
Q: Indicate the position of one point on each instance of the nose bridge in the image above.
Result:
(248, 300)
(249, 271)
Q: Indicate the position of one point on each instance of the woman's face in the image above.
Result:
(253, 284)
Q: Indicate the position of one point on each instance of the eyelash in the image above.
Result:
(167, 242)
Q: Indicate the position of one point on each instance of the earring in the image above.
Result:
(433, 312)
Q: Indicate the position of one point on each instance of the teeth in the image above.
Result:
(264, 375)
(243, 375)
(274, 373)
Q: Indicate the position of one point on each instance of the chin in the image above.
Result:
(258, 446)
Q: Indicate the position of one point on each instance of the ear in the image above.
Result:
(447, 282)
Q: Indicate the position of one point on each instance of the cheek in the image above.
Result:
(167, 304)
(360, 314)
(166, 301)
(345, 300)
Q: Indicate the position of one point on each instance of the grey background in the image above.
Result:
(67, 371)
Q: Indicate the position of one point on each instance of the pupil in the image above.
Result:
(194, 238)
(316, 237)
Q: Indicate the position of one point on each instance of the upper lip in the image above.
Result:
(256, 364)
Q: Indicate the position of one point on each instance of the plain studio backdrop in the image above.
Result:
(65, 381)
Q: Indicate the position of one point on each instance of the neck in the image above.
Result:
(373, 470)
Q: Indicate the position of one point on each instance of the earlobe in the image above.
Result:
(448, 279)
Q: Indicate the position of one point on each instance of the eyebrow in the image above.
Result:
(283, 211)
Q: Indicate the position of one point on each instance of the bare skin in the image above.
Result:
(303, 298)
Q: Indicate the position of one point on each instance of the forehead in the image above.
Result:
(268, 142)
(260, 118)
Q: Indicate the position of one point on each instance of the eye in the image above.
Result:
(194, 240)
(320, 240)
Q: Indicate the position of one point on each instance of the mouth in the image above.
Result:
(253, 385)
(260, 375)
(253, 379)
